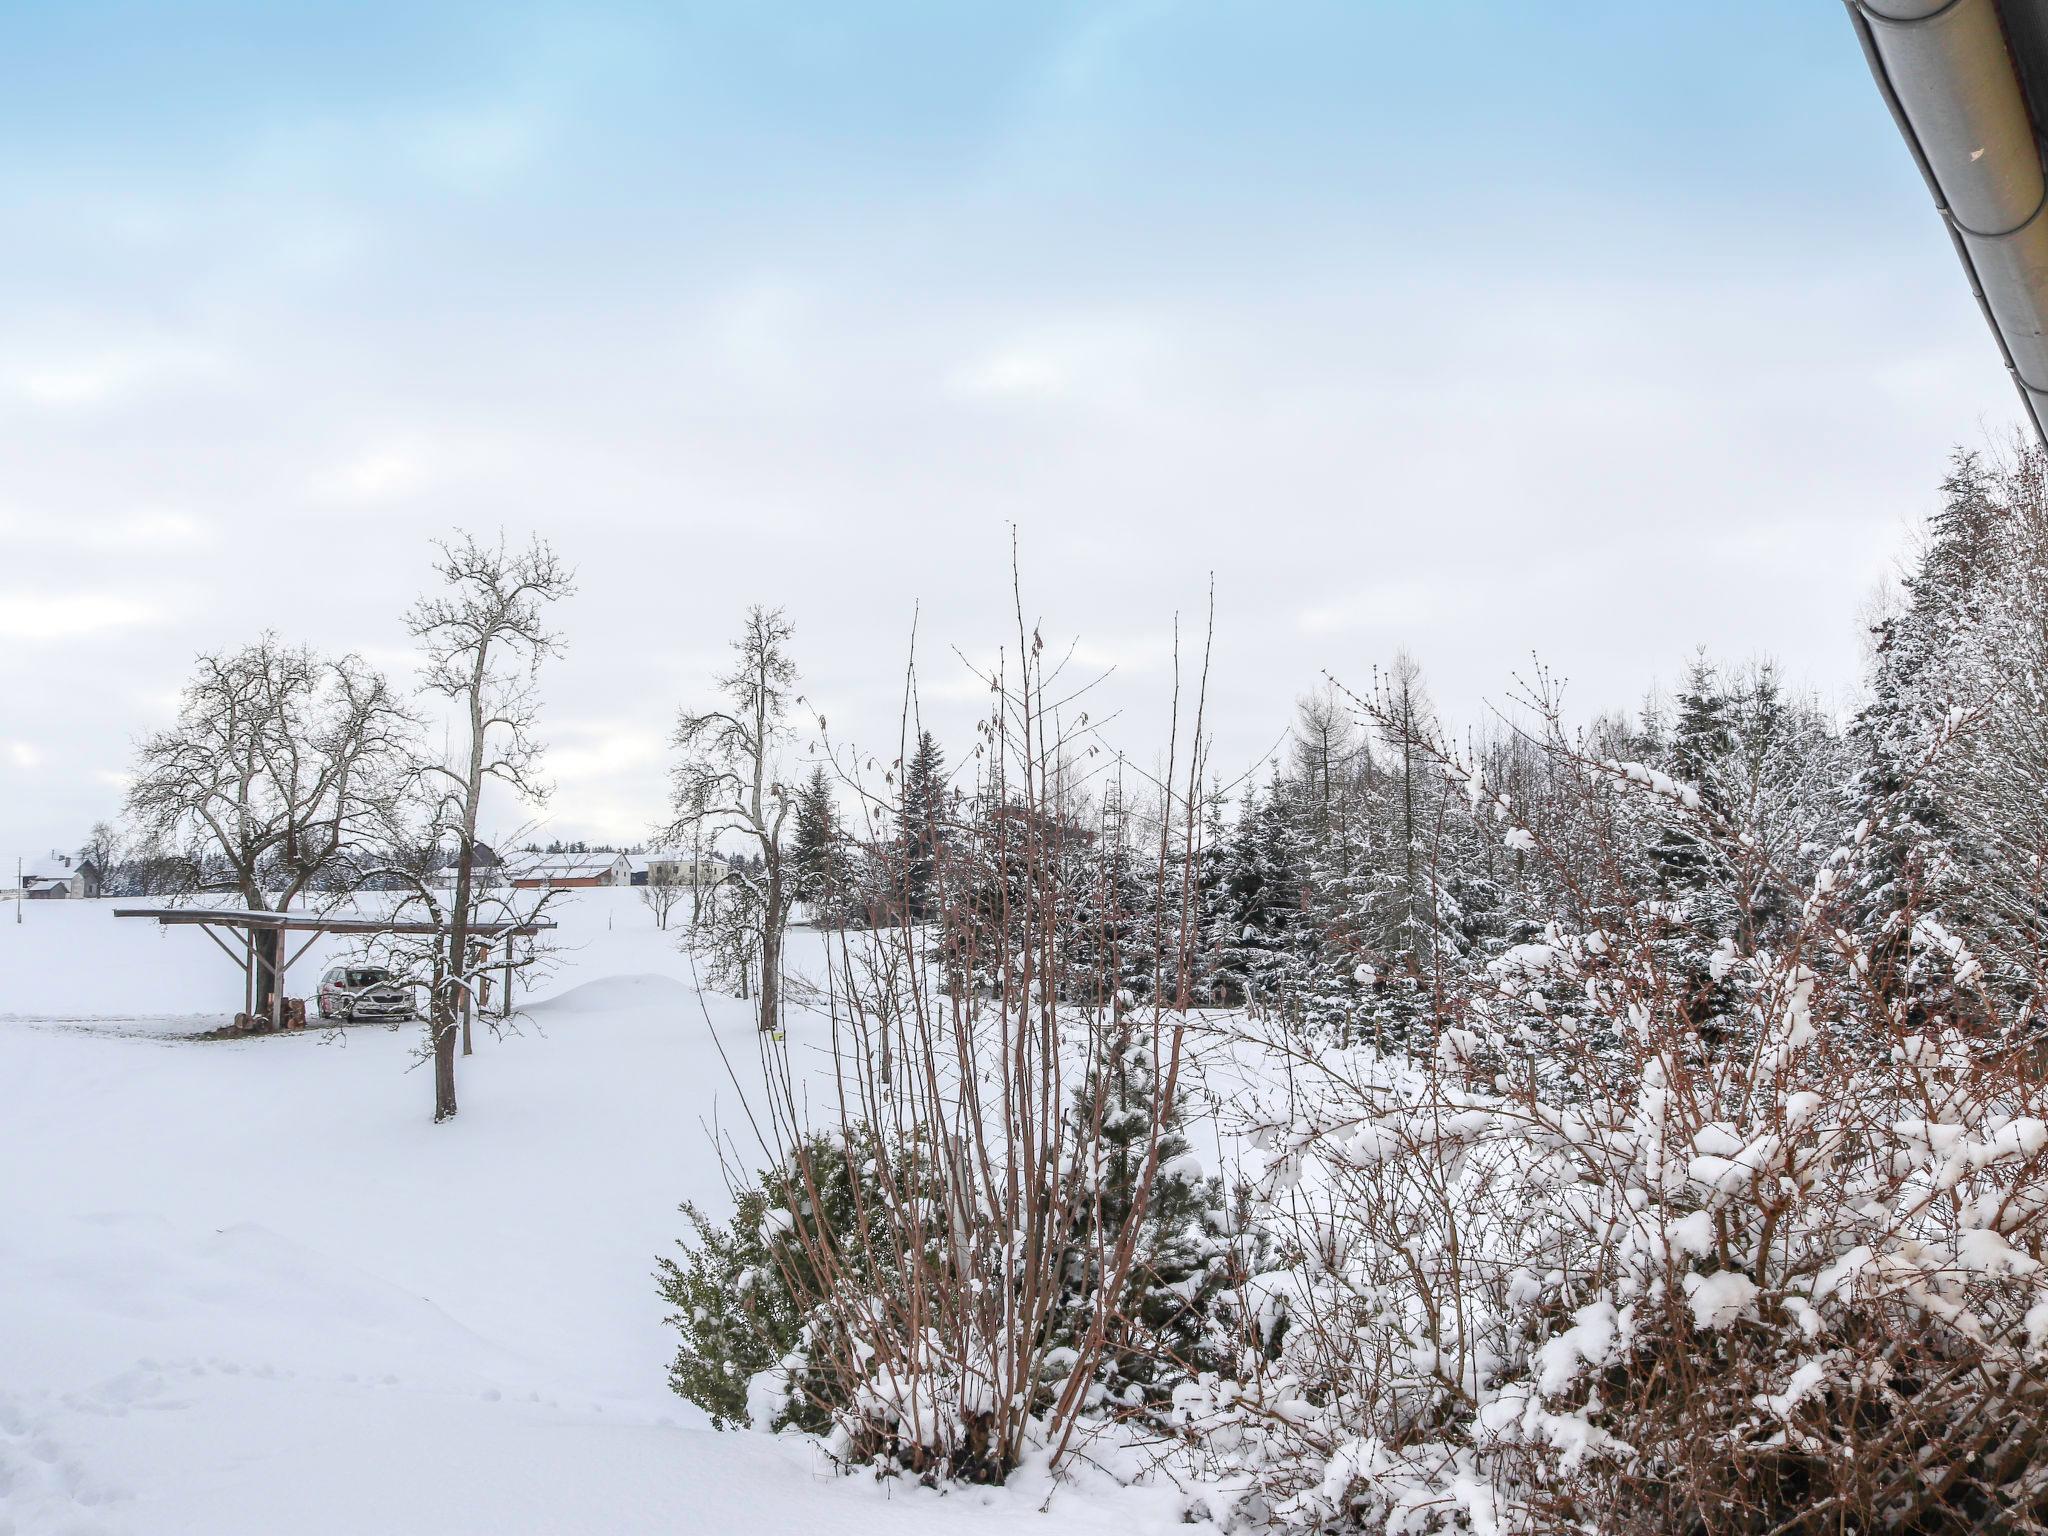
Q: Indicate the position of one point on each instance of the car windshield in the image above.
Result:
(365, 978)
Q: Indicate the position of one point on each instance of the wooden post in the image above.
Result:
(277, 985)
(505, 998)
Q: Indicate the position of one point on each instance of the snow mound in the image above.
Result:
(614, 994)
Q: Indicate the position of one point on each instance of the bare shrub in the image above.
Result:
(981, 1244)
(1589, 1264)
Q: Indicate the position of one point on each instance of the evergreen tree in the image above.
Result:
(818, 865)
(921, 823)
(1696, 753)
(1162, 1330)
(739, 1292)
(1903, 829)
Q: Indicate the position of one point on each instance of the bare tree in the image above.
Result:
(727, 782)
(663, 890)
(279, 764)
(103, 850)
(483, 639)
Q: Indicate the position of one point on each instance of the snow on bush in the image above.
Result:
(1652, 1240)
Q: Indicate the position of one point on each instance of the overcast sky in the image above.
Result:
(1601, 330)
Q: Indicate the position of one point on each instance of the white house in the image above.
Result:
(685, 868)
(58, 877)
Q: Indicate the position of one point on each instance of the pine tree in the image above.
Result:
(1162, 1330)
(740, 1294)
(921, 823)
(1259, 919)
(817, 850)
(1904, 834)
(1700, 742)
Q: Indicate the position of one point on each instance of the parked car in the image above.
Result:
(363, 992)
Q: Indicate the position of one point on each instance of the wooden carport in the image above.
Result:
(313, 925)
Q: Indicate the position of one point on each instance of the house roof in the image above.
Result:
(665, 856)
(1967, 84)
(52, 867)
(565, 866)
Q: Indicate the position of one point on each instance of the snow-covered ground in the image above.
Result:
(247, 1287)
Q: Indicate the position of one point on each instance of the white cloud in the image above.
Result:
(77, 383)
(24, 755)
(1394, 604)
(68, 616)
(390, 472)
(1112, 359)
(148, 531)
(1014, 373)
(479, 149)
(596, 751)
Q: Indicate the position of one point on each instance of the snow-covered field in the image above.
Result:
(247, 1287)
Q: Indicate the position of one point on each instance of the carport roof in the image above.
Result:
(314, 922)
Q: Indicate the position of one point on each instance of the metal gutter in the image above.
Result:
(1947, 71)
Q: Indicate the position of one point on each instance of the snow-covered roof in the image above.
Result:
(644, 861)
(54, 866)
(565, 866)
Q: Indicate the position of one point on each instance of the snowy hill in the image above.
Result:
(247, 1287)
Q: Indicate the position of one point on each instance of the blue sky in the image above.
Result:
(1602, 331)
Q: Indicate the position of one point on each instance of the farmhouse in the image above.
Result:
(569, 871)
(59, 877)
(659, 868)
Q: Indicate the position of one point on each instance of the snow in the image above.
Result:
(247, 1287)
(1721, 1299)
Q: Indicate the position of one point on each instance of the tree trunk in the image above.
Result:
(444, 1064)
(771, 951)
(268, 949)
(458, 915)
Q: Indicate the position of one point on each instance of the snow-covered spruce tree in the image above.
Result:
(1693, 888)
(1259, 924)
(745, 1293)
(1906, 860)
(1781, 783)
(1141, 1183)
(923, 823)
(1111, 944)
(820, 869)
(1982, 699)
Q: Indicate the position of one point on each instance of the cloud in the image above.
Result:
(391, 472)
(1395, 603)
(1015, 373)
(80, 383)
(148, 531)
(70, 616)
(479, 149)
(24, 755)
(1109, 361)
(595, 750)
